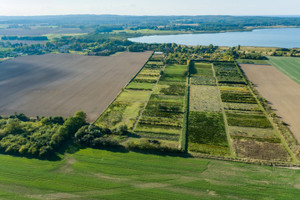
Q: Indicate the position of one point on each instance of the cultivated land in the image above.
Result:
(51, 85)
(211, 111)
(279, 90)
(288, 65)
(99, 174)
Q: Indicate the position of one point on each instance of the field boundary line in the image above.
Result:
(229, 139)
(277, 131)
(184, 134)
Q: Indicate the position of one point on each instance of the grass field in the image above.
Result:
(99, 174)
(288, 65)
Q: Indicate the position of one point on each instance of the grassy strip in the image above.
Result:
(244, 120)
(184, 135)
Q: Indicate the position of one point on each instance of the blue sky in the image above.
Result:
(150, 7)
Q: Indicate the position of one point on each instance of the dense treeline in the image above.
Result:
(35, 38)
(205, 22)
(19, 135)
(43, 137)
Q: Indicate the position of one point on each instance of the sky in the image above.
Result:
(149, 7)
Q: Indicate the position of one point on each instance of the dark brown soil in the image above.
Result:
(51, 85)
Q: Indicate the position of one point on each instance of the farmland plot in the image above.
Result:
(51, 85)
(204, 99)
(163, 115)
(206, 128)
(280, 91)
(253, 136)
(126, 108)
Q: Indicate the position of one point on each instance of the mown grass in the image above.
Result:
(174, 73)
(140, 86)
(100, 174)
(202, 70)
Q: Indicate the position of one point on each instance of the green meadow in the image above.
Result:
(102, 174)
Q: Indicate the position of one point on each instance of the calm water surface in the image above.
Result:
(280, 37)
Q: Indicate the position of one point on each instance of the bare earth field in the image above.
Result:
(50, 85)
(280, 90)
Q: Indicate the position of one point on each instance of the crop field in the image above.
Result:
(225, 118)
(288, 65)
(163, 115)
(228, 73)
(230, 103)
(204, 99)
(50, 85)
(253, 136)
(100, 174)
(206, 128)
(260, 134)
(126, 108)
(280, 91)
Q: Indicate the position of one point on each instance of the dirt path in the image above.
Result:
(279, 90)
(51, 85)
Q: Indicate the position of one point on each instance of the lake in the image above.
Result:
(277, 37)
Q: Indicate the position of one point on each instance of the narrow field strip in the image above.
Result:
(164, 112)
(206, 128)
